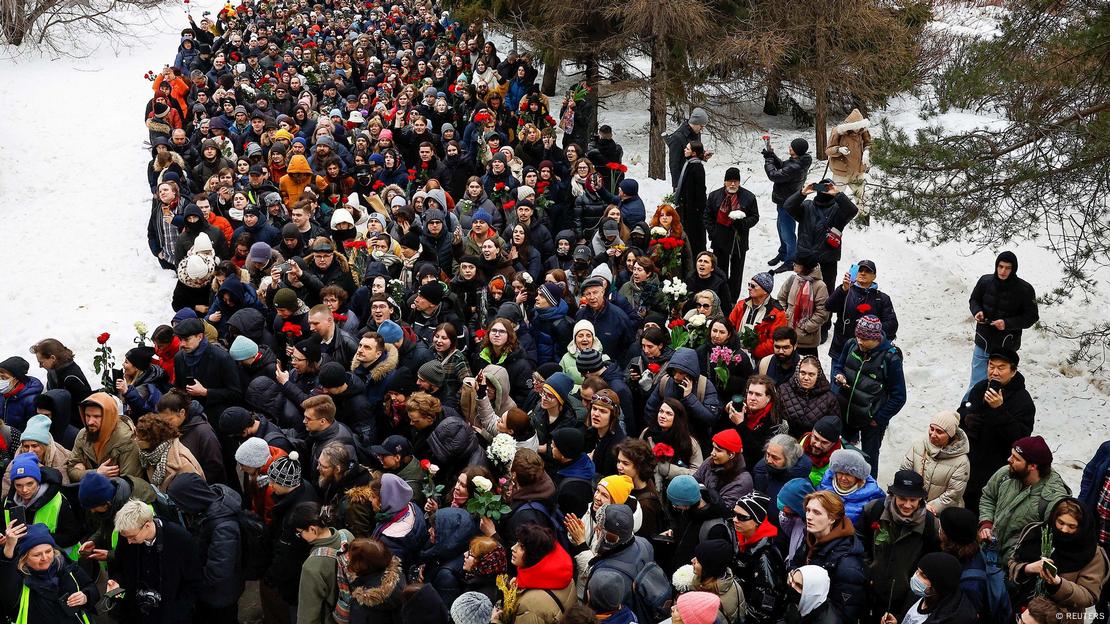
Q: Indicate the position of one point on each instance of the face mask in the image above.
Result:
(918, 586)
(5, 385)
(377, 254)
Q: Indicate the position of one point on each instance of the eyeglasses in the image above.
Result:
(498, 331)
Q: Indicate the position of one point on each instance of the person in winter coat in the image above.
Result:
(161, 453)
(620, 550)
(377, 584)
(545, 576)
(672, 429)
(759, 565)
(443, 556)
(147, 543)
(106, 444)
(211, 515)
(38, 584)
(853, 300)
(297, 178)
(612, 324)
(788, 178)
(1003, 305)
(36, 439)
(725, 472)
(756, 317)
(998, 412)
(677, 141)
(707, 275)
(731, 212)
(803, 296)
(811, 583)
(338, 473)
(758, 418)
(782, 462)
(196, 434)
(821, 222)
(806, 397)
(62, 372)
(55, 405)
(143, 382)
(280, 583)
(684, 381)
(37, 493)
(958, 527)
(18, 392)
(441, 435)
(850, 479)
(941, 458)
(690, 195)
(205, 371)
(500, 346)
(1094, 492)
(896, 532)
(831, 543)
(319, 592)
(1019, 494)
(700, 515)
(1081, 565)
(939, 596)
(870, 385)
(849, 152)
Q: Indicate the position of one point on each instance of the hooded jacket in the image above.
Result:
(298, 176)
(211, 513)
(704, 410)
(19, 406)
(803, 408)
(60, 405)
(554, 573)
(853, 133)
(945, 470)
(444, 558)
(114, 443)
(816, 217)
(1011, 300)
(376, 597)
(841, 554)
(197, 435)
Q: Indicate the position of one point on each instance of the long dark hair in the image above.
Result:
(678, 437)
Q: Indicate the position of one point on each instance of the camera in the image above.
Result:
(821, 187)
(148, 600)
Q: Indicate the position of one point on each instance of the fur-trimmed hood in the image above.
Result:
(854, 121)
(384, 367)
(384, 590)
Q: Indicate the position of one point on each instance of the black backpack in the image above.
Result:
(254, 548)
(652, 594)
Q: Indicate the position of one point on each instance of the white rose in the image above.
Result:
(658, 231)
(483, 484)
(697, 320)
(140, 327)
(433, 469)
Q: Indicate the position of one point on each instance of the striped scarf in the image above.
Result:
(156, 458)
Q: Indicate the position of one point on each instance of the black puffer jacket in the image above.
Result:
(803, 408)
(211, 513)
(1011, 300)
(788, 175)
(376, 598)
(815, 218)
(841, 554)
(289, 550)
(451, 442)
(265, 396)
(993, 431)
(852, 305)
(251, 323)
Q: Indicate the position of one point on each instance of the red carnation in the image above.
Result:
(500, 186)
(425, 464)
(102, 338)
(875, 525)
(291, 328)
(412, 171)
(481, 333)
(863, 308)
(412, 177)
(655, 368)
(614, 166)
(378, 184)
(509, 205)
(355, 244)
(520, 122)
(663, 451)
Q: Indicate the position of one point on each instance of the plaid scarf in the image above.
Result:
(156, 458)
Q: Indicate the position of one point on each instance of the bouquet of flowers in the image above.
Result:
(667, 250)
(674, 292)
(104, 362)
(500, 195)
(748, 338)
(663, 452)
(720, 358)
(486, 502)
(689, 333)
(614, 169)
(502, 450)
(430, 488)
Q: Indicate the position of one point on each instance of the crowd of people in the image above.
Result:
(431, 359)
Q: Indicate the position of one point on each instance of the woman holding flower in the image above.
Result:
(723, 358)
(636, 461)
(669, 247)
(676, 451)
(642, 289)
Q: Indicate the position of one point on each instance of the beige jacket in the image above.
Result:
(56, 456)
(1078, 590)
(809, 330)
(945, 470)
(854, 135)
(179, 460)
(535, 606)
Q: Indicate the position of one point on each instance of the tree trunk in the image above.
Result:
(657, 125)
(772, 100)
(593, 79)
(550, 73)
(819, 120)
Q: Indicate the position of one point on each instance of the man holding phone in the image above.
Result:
(857, 296)
(998, 411)
(206, 372)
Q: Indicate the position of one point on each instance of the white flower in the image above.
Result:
(483, 484)
(502, 449)
(140, 328)
(682, 579)
(433, 469)
(697, 320)
(658, 231)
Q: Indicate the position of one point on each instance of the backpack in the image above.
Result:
(652, 595)
(254, 548)
(166, 509)
(290, 434)
(553, 520)
(707, 526)
(997, 607)
(342, 610)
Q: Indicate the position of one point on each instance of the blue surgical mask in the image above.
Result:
(918, 586)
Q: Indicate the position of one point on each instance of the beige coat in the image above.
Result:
(809, 330)
(854, 135)
(1078, 590)
(945, 470)
(535, 606)
(56, 456)
(179, 460)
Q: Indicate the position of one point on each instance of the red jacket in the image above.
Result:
(774, 318)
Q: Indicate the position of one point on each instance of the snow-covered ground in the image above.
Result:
(74, 202)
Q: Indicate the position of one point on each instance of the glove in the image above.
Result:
(844, 150)
(736, 215)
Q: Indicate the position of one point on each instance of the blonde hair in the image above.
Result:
(133, 516)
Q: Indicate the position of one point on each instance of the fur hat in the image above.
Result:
(850, 461)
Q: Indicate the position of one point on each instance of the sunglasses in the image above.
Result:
(742, 518)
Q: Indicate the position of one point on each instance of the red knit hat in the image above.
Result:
(729, 440)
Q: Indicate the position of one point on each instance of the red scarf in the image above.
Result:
(765, 529)
(731, 202)
(819, 461)
(755, 419)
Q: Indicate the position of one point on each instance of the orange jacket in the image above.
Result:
(223, 224)
(291, 190)
(178, 90)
